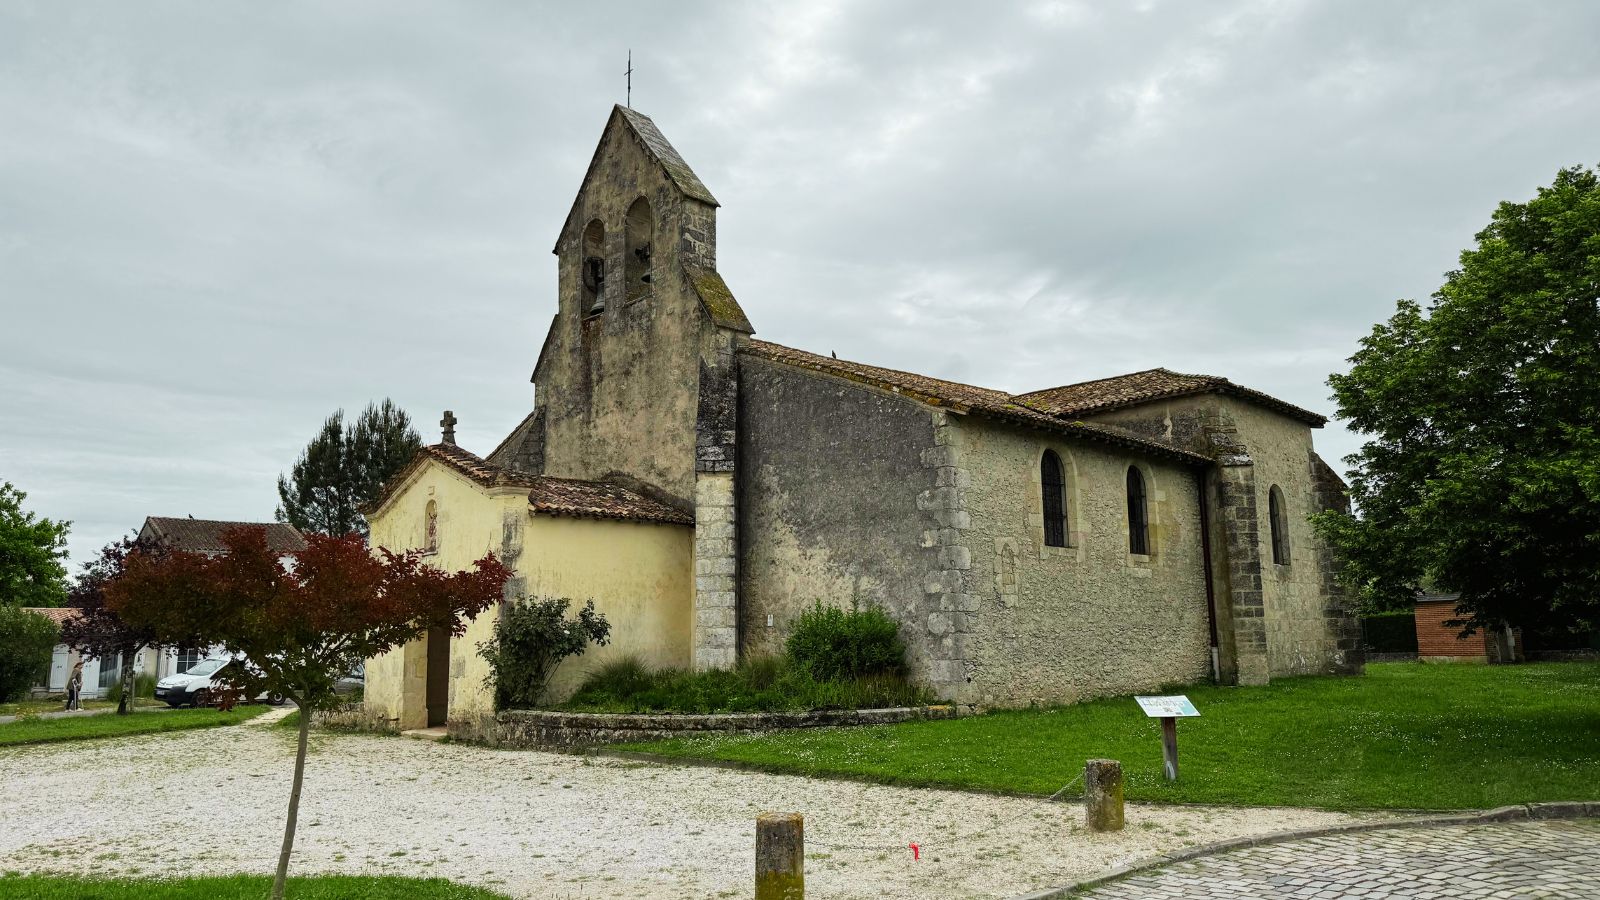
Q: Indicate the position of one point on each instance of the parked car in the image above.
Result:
(352, 684)
(197, 686)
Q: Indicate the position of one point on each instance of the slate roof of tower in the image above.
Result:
(1152, 384)
(205, 535)
(658, 147)
(546, 494)
(965, 398)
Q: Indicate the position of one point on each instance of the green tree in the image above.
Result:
(26, 641)
(344, 467)
(31, 554)
(1481, 472)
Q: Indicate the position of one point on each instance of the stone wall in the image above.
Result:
(519, 728)
(1061, 624)
(1286, 618)
(834, 505)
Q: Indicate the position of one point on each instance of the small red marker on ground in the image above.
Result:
(916, 852)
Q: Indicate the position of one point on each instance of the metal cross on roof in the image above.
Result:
(629, 73)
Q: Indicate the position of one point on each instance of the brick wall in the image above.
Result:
(1434, 638)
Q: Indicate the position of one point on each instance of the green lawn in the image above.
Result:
(238, 887)
(56, 705)
(47, 731)
(1405, 736)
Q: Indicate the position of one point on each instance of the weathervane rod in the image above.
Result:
(629, 73)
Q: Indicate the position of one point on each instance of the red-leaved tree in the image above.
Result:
(98, 631)
(296, 624)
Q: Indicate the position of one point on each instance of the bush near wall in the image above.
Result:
(1391, 632)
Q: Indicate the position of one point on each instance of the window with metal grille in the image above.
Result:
(1053, 484)
(1138, 519)
(1279, 523)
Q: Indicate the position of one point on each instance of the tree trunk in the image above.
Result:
(294, 805)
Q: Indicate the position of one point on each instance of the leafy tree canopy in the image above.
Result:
(296, 625)
(344, 467)
(98, 631)
(1481, 472)
(31, 553)
(26, 642)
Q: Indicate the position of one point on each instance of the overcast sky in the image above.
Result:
(221, 221)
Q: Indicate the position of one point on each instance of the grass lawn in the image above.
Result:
(238, 887)
(57, 704)
(47, 731)
(1405, 736)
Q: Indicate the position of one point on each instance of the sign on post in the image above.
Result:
(1169, 710)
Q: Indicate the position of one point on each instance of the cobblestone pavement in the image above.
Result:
(1550, 859)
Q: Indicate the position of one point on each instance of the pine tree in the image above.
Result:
(344, 467)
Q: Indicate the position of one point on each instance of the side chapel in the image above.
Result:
(703, 487)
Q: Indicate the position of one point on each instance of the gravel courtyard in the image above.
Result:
(542, 825)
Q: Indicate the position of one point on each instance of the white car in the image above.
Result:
(196, 687)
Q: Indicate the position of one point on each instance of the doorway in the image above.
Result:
(438, 675)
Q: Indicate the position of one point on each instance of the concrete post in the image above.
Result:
(1102, 795)
(781, 855)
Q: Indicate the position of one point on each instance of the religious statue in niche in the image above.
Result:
(431, 542)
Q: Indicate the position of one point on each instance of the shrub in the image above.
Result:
(27, 641)
(1390, 632)
(144, 688)
(830, 643)
(769, 684)
(530, 640)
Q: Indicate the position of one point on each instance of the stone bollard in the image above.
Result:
(1102, 795)
(781, 856)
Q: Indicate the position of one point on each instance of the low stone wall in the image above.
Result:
(548, 730)
(353, 717)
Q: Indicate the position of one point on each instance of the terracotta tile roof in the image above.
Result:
(964, 398)
(599, 500)
(57, 614)
(546, 494)
(205, 535)
(1152, 384)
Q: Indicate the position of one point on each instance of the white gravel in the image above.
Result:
(544, 825)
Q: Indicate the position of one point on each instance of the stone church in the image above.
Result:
(704, 486)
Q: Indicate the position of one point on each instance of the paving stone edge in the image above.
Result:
(1524, 811)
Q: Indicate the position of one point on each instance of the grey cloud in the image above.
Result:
(219, 222)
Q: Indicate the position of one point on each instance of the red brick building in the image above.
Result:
(1437, 640)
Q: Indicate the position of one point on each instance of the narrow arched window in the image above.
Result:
(431, 528)
(1279, 523)
(1138, 517)
(593, 274)
(639, 234)
(1053, 486)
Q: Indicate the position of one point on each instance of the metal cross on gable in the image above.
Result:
(629, 73)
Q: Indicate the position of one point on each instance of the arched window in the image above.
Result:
(431, 534)
(593, 274)
(1279, 523)
(1053, 485)
(1138, 517)
(639, 233)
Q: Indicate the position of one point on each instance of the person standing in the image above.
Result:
(75, 686)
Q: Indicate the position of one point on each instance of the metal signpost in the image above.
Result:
(1169, 710)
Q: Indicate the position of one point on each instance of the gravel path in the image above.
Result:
(543, 825)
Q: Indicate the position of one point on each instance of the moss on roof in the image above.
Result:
(718, 299)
